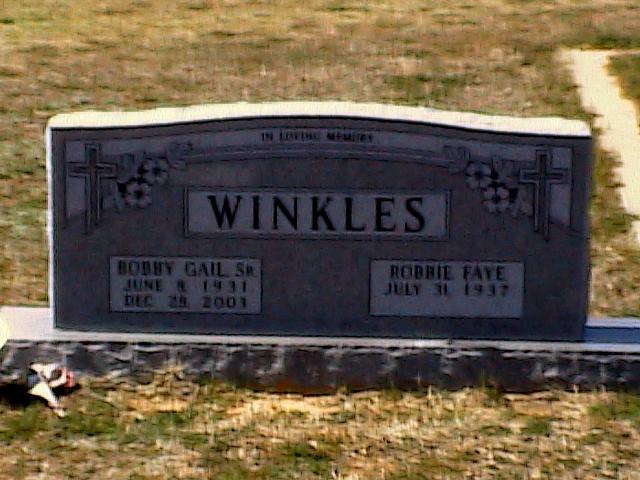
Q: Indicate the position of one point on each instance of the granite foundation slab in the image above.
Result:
(610, 358)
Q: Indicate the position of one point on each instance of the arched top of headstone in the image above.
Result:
(547, 126)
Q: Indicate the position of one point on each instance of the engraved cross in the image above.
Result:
(93, 170)
(542, 177)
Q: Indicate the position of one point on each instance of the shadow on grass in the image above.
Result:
(15, 394)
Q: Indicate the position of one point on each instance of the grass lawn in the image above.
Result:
(490, 55)
(627, 68)
(175, 428)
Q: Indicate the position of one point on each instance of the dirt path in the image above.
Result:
(617, 117)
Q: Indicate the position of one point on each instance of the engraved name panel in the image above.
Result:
(447, 288)
(185, 284)
(306, 213)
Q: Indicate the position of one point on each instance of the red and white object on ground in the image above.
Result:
(43, 378)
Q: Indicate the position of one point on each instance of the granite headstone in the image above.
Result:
(323, 219)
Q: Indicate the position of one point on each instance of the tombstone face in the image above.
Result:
(320, 219)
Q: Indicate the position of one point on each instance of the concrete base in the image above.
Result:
(609, 357)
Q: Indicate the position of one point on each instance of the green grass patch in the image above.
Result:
(623, 406)
(97, 419)
(627, 68)
(305, 453)
(537, 426)
(422, 89)
(23, 425)
(163, 425)
(609, 218)
(224, 469)
(613, 39)
(299, 457)
(426, 468)
(495, 430)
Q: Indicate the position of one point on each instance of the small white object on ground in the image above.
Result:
(43, 378)
(617, 117)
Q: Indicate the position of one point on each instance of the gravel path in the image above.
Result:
(617, 117)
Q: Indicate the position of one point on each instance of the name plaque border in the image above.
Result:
(186, 312)
(305, 236)
(447, 317)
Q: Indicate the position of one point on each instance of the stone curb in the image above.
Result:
(324, 369)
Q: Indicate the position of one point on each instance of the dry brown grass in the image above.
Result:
(485, 55)
(627, 68)
(488, 55)
(173, 428)
(615, 256)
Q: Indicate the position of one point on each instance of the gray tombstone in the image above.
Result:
(328, 219)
